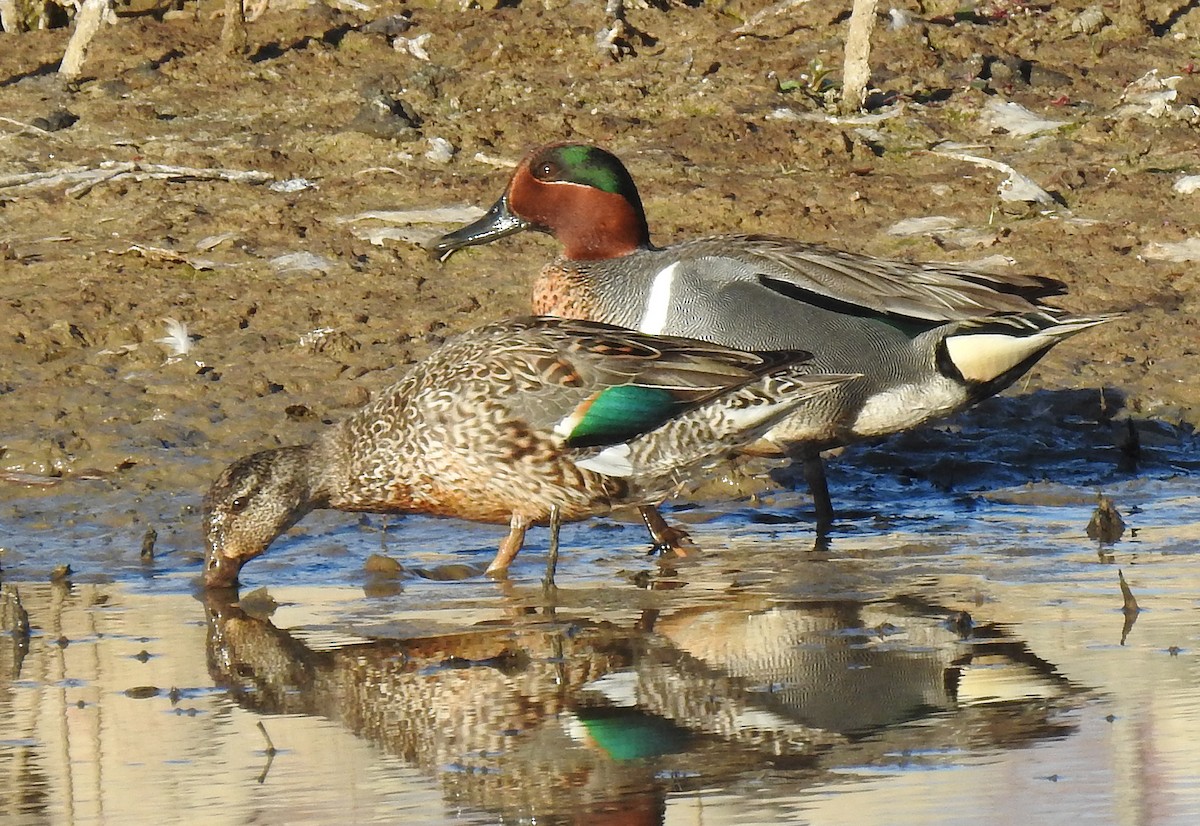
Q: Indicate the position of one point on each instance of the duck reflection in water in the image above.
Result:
(575, 719)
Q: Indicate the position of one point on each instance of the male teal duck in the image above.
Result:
(516, 422)
(929, 339)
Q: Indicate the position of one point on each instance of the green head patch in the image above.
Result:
(587, 166)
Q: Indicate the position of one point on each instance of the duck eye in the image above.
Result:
(239, 503)
(546, 171)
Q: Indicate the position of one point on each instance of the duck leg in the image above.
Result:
(818, 485)
(510, 546)
(552, 554)
(666, 538)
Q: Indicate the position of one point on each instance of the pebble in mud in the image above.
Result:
(383, 116)
(390, 26)
(55, 121)
(142, 692)
(381, 565)
(1090, 21)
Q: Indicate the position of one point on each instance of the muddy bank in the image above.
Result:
(293, 315)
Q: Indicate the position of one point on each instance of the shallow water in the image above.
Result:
(958, 652)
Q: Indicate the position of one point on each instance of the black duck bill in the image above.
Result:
(497, 222)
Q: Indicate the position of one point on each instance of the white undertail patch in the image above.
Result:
(658, 305)
(982, 357)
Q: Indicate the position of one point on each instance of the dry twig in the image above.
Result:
(10, 17)
(271, 752)
(28, 127)
(81, 179)
(856, 71)
(233, 32)
(87, 23)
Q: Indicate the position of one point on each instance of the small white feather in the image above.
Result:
(177, 337)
